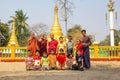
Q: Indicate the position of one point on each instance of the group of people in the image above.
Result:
(61, 55)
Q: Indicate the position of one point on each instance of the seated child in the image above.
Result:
(29, 61)
(45, 62)
(61, 58)
(79, 62)
(69, 61)
(52, 59)
(37, 64)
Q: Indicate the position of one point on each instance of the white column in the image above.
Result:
(111, 28)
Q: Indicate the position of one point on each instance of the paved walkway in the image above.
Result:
(99, 71)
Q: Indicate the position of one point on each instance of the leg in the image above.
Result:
(86, 58)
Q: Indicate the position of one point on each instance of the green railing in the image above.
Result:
(96, 52)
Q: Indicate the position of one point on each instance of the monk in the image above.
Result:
(52, 44)
(33, 44)
(42, 44)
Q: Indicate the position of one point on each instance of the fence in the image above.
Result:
(96, 53)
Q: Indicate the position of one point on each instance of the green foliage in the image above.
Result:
(75, 32)
(22, 32)
(106, 41)
(4, 29)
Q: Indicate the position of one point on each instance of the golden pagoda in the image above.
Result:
(56, 28)
(13, 38)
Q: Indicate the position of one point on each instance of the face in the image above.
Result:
(52, 52)
(69, 38)
(37, 53)
(52, 36)
(84, 33)
(42, 36)
(78, 52)
(32, 34)
(61, 39)
(44, 54)
(71, 56)
(29, 53)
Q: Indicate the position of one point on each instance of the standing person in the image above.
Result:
(86, 43)
(52, 44)
(61, 45)
(42, 44)
(33, 44)
(70, 45)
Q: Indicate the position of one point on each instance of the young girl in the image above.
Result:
(29, 61)
(61, 58)
(61, 45)
(37, 64)
(79, 47)
(69, 61)
(45, 62)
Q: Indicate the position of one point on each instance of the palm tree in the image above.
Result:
(21, 24)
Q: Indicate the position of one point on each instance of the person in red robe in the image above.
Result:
(42, 44)
(79, 46)
(33, 44)
(52, 45)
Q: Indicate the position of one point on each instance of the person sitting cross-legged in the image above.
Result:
(37, 64)
(29, 61)
(79, 62)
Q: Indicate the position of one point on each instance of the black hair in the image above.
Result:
(61, 37)
(37, 50)
(51, 50)
(29, 50)
(83, 31)
(69, 55)
(61, 50)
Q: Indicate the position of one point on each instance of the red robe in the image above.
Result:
(52, 45)
(79, 47)
(33, 45)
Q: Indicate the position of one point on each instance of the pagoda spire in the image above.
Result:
(56, 28)
(13, 38)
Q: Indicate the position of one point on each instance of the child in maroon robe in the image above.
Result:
(61, 58)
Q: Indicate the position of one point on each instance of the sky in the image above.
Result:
(90, 14)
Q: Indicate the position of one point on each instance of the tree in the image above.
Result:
(39, 28)
(106, 41)
(75, 32)
(4, 30)
(21, 25)
(66, 9)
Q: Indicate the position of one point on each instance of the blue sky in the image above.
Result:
(88, 13)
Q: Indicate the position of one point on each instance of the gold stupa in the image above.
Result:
(56, 28)
(13, 38)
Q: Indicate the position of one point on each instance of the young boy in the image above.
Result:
(79, 61)
(29, 61)
(45, 62)
(52, 59)
(70, 45)
(37, 64)
(61, 58)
